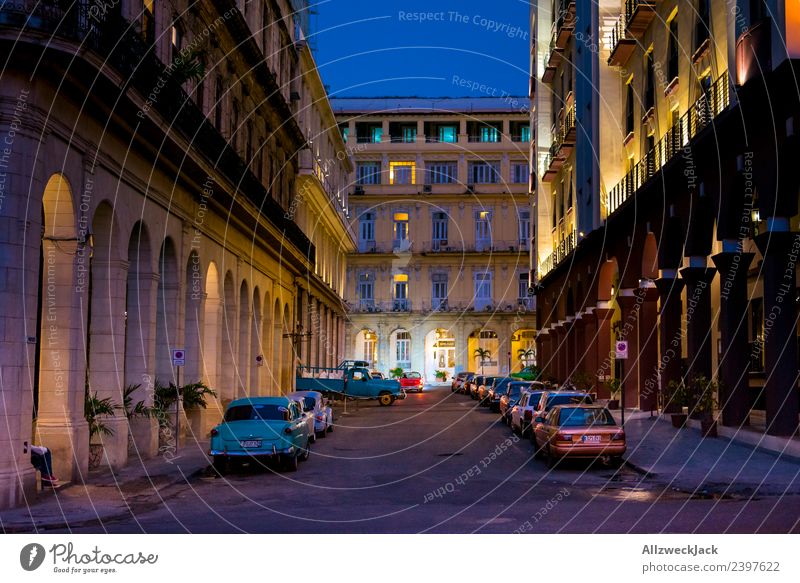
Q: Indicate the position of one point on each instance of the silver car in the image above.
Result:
(317, 408)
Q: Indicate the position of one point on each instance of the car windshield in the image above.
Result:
(414, 375)
(584, 417)
(256, 413)
(309, 403)
(573, 399)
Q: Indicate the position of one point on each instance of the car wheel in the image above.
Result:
(323, 434)
(290, 463)
(385, 399)
(306, 452)
(220, 464)
(312, 438)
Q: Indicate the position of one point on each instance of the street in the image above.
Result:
(438, 463)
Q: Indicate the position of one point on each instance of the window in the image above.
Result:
(366, 289)
(484, 173)
(629, 123)
(376, 134)
(489, 134)
(439, 291)
(703, 25)
(448, 134)
(402, 173)
(400, 228)
(483, 290)
(523, 286)
(650, 82)
(176, 40)
(345, 130)
(520, 131)
(149, 21)
(672, 49)
(400, 295)
(409, 134)
(403, 349)
(569, 194)
(368, 173)
(483, 229)
(439, 234)
(218, 93)
(366, 232)
(442, 172)
(524, 228)
(519, 173)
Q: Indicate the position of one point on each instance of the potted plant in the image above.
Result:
(95, 410)
(675, 399)
(705, 391)
(441, 375)
(396, 372)
(484, 354)
(133, 410)
(193, 396)
(614, 390)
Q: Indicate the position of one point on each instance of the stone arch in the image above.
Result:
(366, 346)
(288, 359)
(58, 391)
(106, 341)
(210, 339)
(609, 273)
(256, 350)
(244, 363)
(140, 309)
(167, 312)
(485, 339)
(228, 371)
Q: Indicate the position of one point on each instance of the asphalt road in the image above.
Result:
(438, 463)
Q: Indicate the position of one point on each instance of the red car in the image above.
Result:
(411, 381)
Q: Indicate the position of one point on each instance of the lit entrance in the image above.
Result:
(440, 354)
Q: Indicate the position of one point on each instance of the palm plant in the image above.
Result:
(525, 354)
(189, 67)
(94, 409)
(134, 410)
(396, 372)
(484, 354)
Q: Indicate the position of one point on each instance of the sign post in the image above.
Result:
(621, 354)
(178, 361)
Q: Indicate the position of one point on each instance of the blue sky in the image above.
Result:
(430, 48)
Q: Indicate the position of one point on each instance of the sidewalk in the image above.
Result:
(108, 495)
(685, 460)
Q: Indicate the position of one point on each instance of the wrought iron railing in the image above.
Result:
(560, 252)
(699, 116)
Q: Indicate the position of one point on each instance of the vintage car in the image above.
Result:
(411, 381)
(353, 382)
(261, 428)
(579, 431)
(314, 405)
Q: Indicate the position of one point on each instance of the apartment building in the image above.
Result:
(172, 179)
(439, 204)
(666, 198)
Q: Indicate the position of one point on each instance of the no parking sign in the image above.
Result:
(178, 357)
(621, 350)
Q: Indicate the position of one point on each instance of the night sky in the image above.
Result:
(431, 48)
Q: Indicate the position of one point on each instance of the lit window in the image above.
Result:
(402, 173)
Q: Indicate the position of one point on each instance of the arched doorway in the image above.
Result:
(166, 313)
(440, 354)
(210, 344)
(244, 364)
(193, 319)
(366, 347)
(287, 364)
(228, 380)
(256, 350)
(400, 349)
(487, 343)
(523, 349)
(277, 337)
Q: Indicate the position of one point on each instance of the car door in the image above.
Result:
(298, 425)
(516, 412)
(549, 427)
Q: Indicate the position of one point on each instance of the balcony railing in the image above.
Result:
(631, 25)
(699, 116)
(122, 48)
(561, 251)
(526, 304)
(367, 139)
(480, 246)
(564, 23)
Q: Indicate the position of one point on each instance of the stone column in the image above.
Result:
(648, 346)
(698, 279)
(670, 287)
(555, 342)
(602, 344)
(734, 365)
(780, 249)
(629, 303)
(463, 360)
(587, 337)
(579, 343)
(543, 350)
(559, 352)
(569, 347)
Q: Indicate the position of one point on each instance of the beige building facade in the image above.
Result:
(440, 209)
(147, 207)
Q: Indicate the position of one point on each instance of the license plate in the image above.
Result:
(251, 443)
(591, 439)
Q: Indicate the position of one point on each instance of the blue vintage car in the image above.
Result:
(261, 427)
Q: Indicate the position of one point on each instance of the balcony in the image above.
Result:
(560, 252)
(526, 304)
(564, 24)
(554, 58)
(629, 29)
(401, 305)
(480, 246)
(699, 116)
(562, 146)
(439, 305)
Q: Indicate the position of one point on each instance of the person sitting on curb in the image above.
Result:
(42, 460)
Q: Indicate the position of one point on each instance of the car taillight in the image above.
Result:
(563, 437)
(214, 432)
(618, 436)
(288, 431)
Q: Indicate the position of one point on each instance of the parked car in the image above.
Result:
(475, 384)
(315, 405)
(261, 428)
(483, 390)
(552, 398)
(459, 380)
(511, 398)
(353, 382)
(529, 373)
(411, 381)
(498, 389)
(579, 431)
(522, 413)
